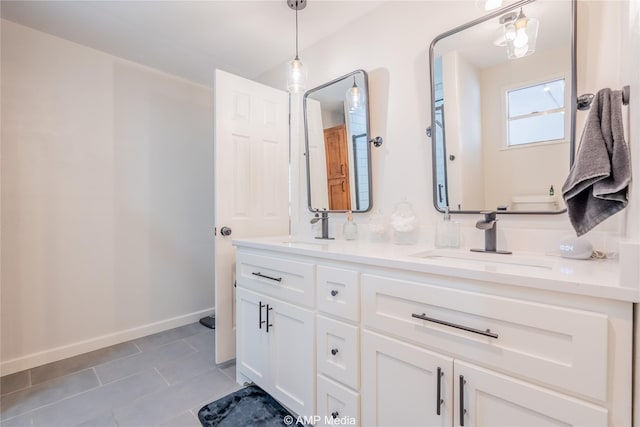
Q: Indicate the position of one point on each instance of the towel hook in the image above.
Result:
(584, 101)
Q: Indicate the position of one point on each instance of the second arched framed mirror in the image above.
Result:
(338, 153)
(503, 99)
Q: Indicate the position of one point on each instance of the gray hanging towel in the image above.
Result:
(598, 182)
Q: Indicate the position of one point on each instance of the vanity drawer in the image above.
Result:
(282, 278)
(338, 351)
(559, 346)
(338, 292)
(337, 401)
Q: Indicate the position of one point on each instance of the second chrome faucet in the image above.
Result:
(324, 217)
(488, 224)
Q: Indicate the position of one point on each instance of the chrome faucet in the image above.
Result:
(488, 224)
(324, 217)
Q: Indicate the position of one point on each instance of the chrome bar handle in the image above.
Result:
(268, 324)
(462, 410)
(276, 279)
(438, 391)
(260, 315)
(486, 333)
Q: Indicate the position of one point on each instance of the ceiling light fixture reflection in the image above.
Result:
(520, 34)
(355, 97)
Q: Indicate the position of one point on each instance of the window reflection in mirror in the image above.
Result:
(336, 117)
(502, 128)
(536, 113)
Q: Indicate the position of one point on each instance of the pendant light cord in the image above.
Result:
(297, 30)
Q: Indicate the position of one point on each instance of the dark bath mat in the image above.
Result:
(250, 406)
(209, 322)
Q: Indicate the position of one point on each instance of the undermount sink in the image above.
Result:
(315, 244)
(485, 259)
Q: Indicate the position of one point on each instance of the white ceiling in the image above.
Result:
(190, 38)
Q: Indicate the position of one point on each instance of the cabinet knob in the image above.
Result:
(334, 292)
(335, 414)
(334, 351)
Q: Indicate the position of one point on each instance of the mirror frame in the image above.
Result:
(306, 137)
(572, 97)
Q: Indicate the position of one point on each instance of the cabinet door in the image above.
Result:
(251, 339)
(292, 356)
(400, 384)
(492, 399)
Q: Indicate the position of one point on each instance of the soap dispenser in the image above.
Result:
(350, 229)
(447, 232)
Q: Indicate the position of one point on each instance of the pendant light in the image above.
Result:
(297, 72)
(355, 97)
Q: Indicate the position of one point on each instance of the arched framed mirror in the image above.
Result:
(337, 149)
(503, 99)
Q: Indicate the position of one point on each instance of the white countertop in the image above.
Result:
(597, 278)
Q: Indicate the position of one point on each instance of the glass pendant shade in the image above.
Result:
(509, 32)
(296, 76)
(355, 97)
(521, 37)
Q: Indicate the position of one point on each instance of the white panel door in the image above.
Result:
(251, 150)
(492, 399)
(400, 384)
(316, 156)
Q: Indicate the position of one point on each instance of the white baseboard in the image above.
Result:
(58, 353)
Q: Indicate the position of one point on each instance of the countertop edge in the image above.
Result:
(404, 262)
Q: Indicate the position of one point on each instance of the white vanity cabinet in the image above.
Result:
(404, 343)
(506, 357)
(274, 338)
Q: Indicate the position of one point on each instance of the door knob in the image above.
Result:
(225, 231)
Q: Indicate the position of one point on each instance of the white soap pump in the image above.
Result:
(350, 229)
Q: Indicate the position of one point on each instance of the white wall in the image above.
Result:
(107, 199)
(531, 169)
(630, 249)
(391, 44)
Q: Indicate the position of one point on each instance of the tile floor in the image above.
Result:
(158, 380)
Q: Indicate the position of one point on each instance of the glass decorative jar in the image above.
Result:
(404, 224)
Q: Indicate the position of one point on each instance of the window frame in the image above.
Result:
(530, 83)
